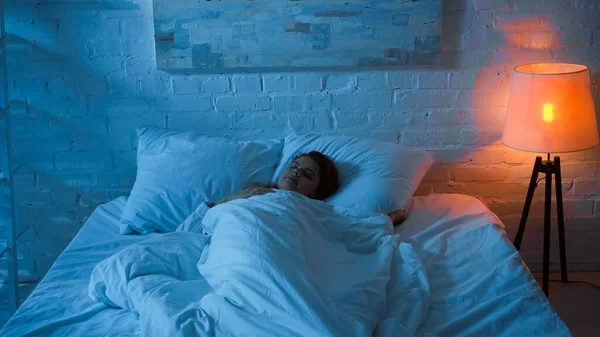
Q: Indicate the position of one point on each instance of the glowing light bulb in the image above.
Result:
(548, 112)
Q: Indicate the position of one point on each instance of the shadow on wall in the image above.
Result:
(493, 43)
(63, 86)
(523, 40)
(526, 40)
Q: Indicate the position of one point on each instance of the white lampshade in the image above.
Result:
(550, 109)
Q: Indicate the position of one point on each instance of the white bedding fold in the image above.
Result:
(273, 265)
(170, 255)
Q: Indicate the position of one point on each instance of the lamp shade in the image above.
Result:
(550, 109)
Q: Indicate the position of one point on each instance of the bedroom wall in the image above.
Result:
(83, 77)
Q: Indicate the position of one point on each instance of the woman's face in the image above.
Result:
(302, 176)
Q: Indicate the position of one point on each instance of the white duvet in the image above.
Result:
(279, 264)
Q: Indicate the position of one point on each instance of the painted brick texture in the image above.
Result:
(83, 77)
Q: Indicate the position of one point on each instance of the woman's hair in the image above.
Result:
(328, 179)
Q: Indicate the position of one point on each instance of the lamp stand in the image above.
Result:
(549, 168)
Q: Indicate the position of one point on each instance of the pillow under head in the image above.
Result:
(374, 175)
(179, 170)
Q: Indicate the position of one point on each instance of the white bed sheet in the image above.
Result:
(478, 282)
(479, 286)
(59, 305)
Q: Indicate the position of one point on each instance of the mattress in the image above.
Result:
(59, 305)
(478, 283)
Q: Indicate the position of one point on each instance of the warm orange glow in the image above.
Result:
(490, 94)
(566, 124)
(548, 113)
(534, 33)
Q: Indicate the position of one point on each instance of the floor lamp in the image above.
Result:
(550, 110)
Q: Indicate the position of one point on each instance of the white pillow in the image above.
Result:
(374, 175)
(177, 171)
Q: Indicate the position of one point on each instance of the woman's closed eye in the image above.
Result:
(307, 173)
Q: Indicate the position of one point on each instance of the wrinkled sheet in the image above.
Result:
(278, 264)
(59, 305)
(479, 285)
(479, 300)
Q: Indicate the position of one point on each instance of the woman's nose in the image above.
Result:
(295, 172)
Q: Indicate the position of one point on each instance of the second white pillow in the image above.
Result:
(374, 175)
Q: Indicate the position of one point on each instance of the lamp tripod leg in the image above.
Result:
(561, 222)
(547, 215)
(528, 200)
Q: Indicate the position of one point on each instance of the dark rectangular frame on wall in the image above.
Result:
(305, 35)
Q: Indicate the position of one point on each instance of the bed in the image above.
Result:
(478, 283)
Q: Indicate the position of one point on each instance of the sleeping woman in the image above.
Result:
(312, 174)
(247, 271)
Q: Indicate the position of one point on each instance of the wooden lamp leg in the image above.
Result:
(530, 192)
(547, 219)
(549, 168)
(561, 222)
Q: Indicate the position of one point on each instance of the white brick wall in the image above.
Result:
(83, 77)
